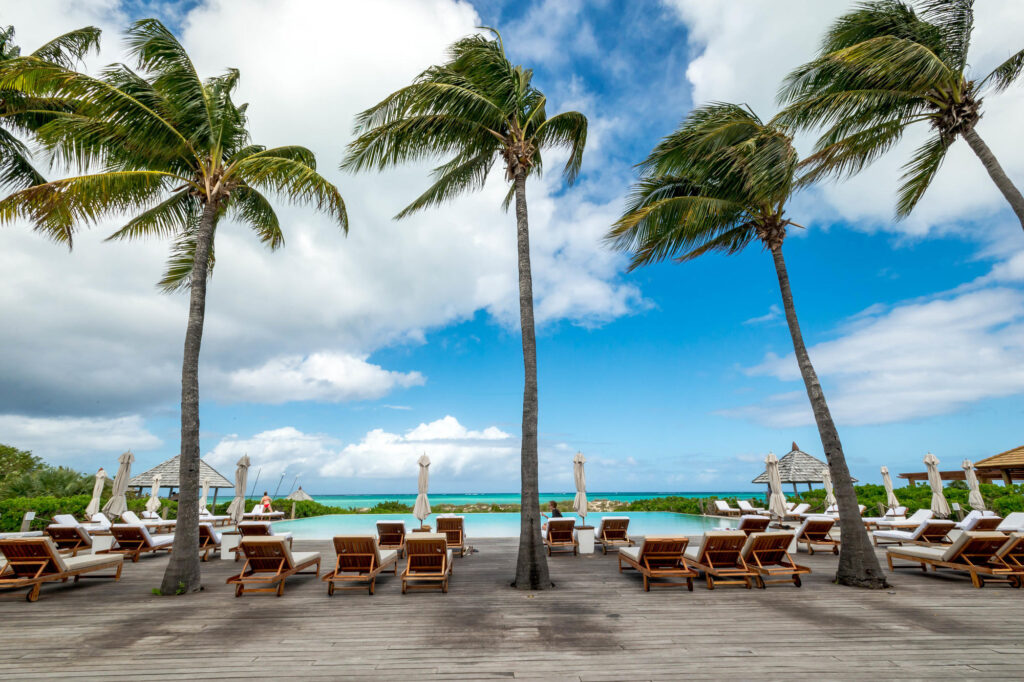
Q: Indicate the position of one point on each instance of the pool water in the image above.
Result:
(494, 525)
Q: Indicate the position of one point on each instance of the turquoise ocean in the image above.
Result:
(366, 501)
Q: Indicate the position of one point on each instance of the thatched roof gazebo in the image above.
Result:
(797, 467)
(169, 477)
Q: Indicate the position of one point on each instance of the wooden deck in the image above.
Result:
(596, 625)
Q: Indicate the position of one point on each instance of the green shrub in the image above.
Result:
(46, 507)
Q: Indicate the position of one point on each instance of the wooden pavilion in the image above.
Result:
(1006, 467)
(169, 477)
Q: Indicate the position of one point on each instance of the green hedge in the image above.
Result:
(1001, 499)
(13, 509)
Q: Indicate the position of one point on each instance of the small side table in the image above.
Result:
(585, 539)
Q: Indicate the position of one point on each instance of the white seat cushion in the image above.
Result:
(286, 536)
(935, 553)
(387, 556)
(93, 560)
(302, 557)
(692, 552)
(896, 534)
(632, 552)
(161, 540)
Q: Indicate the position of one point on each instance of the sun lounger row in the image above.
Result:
(988, 556)
(30, 562)
(728, 557)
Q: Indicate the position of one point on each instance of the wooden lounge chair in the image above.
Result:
(722, 507)
(976, 553)
(391, 535)
(909, 523)
(1013, 523)
(268, 563)
(930, 532)
(747, 508)
(718, 557)
(156, 525)
(752, 523)
(256, 529)
(798, 511)
(429, 563)
(1012, 554)
(359, 561)
(454, 529)
(613, 531)
(980, 521)
(69, 539)
(257, 514)
(815, 531)
(134, 541)
(209, 539)
(34, 561)
(659, 559)
(767, 554)
(560, 536)
(206, 517)
(99, 524)
(891, 514)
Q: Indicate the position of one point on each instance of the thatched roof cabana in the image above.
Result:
(169, 477)
(797, 467)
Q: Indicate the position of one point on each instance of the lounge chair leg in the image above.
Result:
(280, 588)
(33, 594)
(371, 586)
(689, 584)
(330, 588)
(647, 585)
(117, 576)
(239, 589)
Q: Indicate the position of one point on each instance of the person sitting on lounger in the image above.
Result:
(266, 503)
(556, 513)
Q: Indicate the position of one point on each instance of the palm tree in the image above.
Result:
(174, 149)
(476, 108)
(884, 67)
(21, 114)
(719, 182)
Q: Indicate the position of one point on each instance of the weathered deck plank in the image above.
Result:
(597, 625)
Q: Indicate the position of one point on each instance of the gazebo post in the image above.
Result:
(809, 486)
(1007, 480)
(795, 491)
(215, 498)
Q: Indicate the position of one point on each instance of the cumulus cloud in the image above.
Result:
(61, 440)
(330, 377)
(301, 323)
(913, 360)
(454, 450)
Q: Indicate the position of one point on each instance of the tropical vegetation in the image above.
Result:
(174, 149)
(720, 182)
(889, 65)
(473, 110)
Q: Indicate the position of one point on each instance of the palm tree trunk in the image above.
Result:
(532, 564)
(858, 565)
(182, 574)
(996, 172)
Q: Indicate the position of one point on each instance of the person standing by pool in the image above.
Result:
(556, 513)
(265, 502)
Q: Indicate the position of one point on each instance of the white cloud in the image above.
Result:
(330, 377)
(774, 313)
(60, 440)
(913, 360)
(454, 451)
(743, 50)
(112, 343)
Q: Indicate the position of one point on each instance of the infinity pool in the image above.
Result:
(493, 525)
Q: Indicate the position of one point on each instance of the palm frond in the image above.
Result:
(453, 178)
(16, 170)
(294, 181)
(840, 156)
(919, 171)
(69, 49)
(178, 273)
(1004, 75)
(170, 217)
(252, 208)
(567, 130)
(53, 208)
(954, 19)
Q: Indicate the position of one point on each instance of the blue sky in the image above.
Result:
(340, 360)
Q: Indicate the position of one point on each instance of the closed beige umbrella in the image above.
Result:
(206, 491)
(422, 508)
(830, 494)
(939, 504)
(890, 497)
(117, 504)
(974, 498)
(153, 503)
(776, 500)
(97, 490)
(579, 503)
(237, 506)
